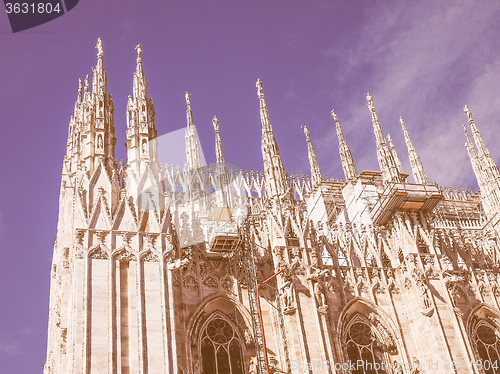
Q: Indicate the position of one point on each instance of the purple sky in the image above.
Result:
(422, 60)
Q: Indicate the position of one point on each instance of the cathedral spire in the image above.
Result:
(80, 86)
(277, 183)
(316, 177)
(386, 161)
(417, 168)
(394, 154)
(474, 159)
(140, 84)
(218, 144)
(192, 142)
(483, 152)
(264, 114)
(490, 173)
(93, 121)
(346, 159)
(99, 81)
(142, 144)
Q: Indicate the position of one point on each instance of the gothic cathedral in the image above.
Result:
(189, 270)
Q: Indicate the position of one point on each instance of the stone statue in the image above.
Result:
(306, 131)
(87, 83)
(469, 114)
(188, 98)
(425, 298)
(259, 87)
(100, 51)
(139, 51)
(252, 367)
(334, 115)
(79, 88)
(99, 142)
(319, 293)
(369, 98)
(287, 292)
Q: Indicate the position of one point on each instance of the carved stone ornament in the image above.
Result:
(150, 257)
(98, 254)
(387, 338)
(125, 256)
(423, 291)
(287, 292)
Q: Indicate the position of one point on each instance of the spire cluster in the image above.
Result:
(91, 139)
(316, 177)
(484, 167)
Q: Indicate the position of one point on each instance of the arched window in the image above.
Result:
(487, 343)
(220, 348)
(363, 347)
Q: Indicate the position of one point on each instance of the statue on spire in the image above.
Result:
(369, 98)
(215, 122)
(469, 114)
(79, 88)
(306, 132)
(218, 144)
(139, 52)
(100, 51)
(87, 83)
(334, 115)
(188, 98)
(260, 93)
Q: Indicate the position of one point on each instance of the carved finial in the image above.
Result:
(98, 46)
(417, 168)
(369, 98)
(139, 52)
(87, 83)
(259, 88)
(188, 98)
(395, 154)
(80, 86)
(469, 114)
(215, 122)
(334, 115)
(306, 131)
(218, 143)
(313, 162)
(348, 165)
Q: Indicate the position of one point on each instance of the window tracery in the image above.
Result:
(363, 344)
(487, 343)
(220, 348)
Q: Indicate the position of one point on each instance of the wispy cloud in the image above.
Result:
(425, 62)
(9, 348)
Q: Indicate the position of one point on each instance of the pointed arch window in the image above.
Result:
(487, 343)
(362, 344)
(220, 348)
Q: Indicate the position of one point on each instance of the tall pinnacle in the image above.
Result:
(277, 184)
(99, 81)
(490, 173)
(388, 167)
(394, 153)
(316, 177)
(192, 142)
(474, 159)
(264, 114)
(91, 128)
(417, 168)
(140, 84)
(218, 144)
(346, 159)
(142, 143)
